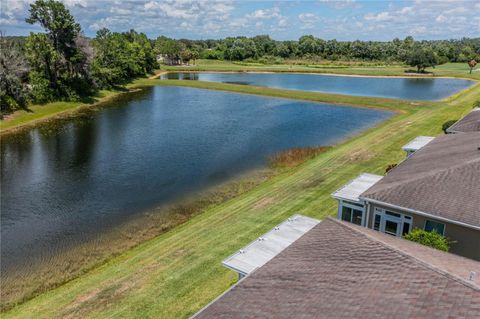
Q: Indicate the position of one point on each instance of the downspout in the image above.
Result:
(367, 211)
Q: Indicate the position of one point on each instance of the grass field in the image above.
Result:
(177, 273)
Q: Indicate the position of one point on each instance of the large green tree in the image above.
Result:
(422, 58)
(13, 76)
(120, 57)
(59, 65)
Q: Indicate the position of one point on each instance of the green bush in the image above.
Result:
(447, 124)
(430, 239)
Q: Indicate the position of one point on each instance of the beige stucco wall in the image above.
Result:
(466, 241)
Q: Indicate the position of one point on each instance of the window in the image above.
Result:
(391, 227)
(431, 225)
(357, 216)
(347, 214)
(352, 214)
(376, 223)
(391, 223)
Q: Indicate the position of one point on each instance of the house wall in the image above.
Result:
(466, 240)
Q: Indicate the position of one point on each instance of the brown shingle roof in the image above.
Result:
(339, 270)
(470, 123)
(441, 179)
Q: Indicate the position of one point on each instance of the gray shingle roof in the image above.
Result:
(441, 179)
(340, 270)
(470, 123)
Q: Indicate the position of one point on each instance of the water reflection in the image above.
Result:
(69, 180)
(401, 88)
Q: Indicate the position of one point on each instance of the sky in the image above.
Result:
(282, 20)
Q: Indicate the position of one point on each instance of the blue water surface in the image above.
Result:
(64, 183)
(389, 87)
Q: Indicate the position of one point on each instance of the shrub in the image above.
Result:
(447, 124)
(295, 156)
(430, 239)
(389, 167)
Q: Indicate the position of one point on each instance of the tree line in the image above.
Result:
(262, 47)
(62, 64)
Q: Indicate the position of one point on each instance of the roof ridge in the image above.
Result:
(400, 251)
(423, 176)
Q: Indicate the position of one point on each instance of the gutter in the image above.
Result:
(366, 199)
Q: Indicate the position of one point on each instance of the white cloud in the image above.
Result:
(427, 19)
(308, 20)
(265, 13)
(341, 4)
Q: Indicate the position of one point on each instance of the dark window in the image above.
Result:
(376, 222)
(430, 225)
(346, 214)
(406, 229)
(393, 214)
(391, 227)
(357, 217)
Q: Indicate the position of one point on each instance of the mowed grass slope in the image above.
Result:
(179, 272)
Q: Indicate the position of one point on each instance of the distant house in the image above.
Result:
(469, 123)
(168, 60)
(435, 188)
(340, 270)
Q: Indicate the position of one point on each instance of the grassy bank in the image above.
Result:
(175, 274)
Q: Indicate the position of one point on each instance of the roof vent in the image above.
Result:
(242, 251)
(472, 276)
(261, 238)
(277, 228)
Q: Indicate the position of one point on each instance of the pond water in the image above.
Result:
(63, 183)
(399, 88)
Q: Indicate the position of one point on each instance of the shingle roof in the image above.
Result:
(470, 123)
(440, 179)
(339, 270)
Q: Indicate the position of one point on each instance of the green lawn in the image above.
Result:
(36, 113)
(177, 273)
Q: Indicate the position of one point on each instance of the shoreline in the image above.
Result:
(137, 84)
(65, 114)
(406, 76)
(176, 262)
(146, 225)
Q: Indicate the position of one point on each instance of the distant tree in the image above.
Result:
(120, 57)
(307, 44)
(472, 63)
(430, 239)
(195, 55)
(170, 48)
(13, 76)
(59, 66)
(264, 45)
(422, 58)
(186, 55)
(242, 48)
